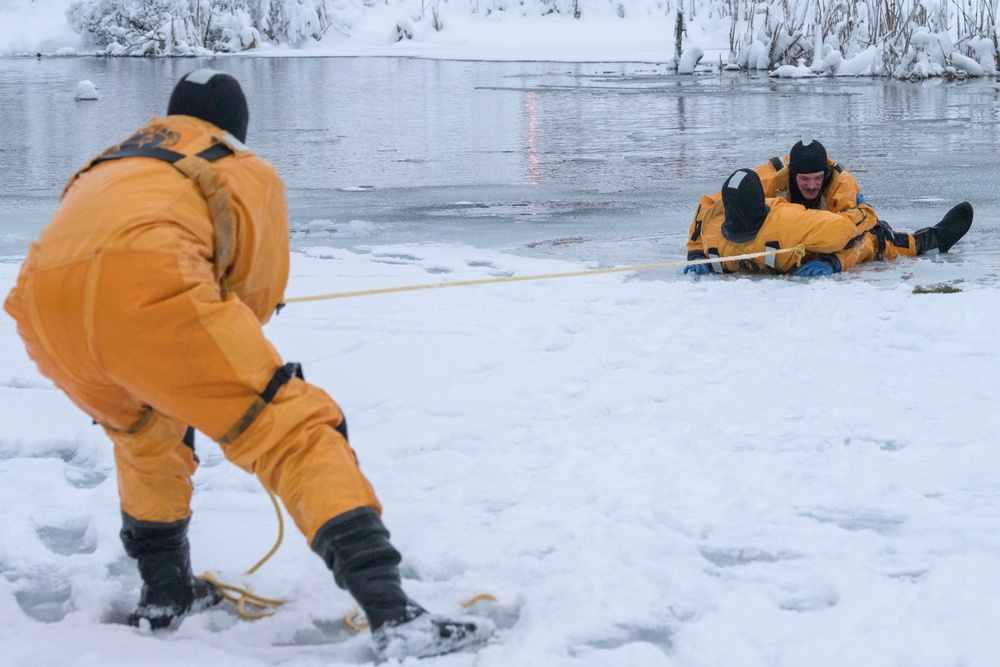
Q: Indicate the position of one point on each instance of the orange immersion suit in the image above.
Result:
(837, 238)
(143, 300)
(840, 193)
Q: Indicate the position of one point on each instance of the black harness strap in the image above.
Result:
(214, 152)
(777, 163)
(189, 441)
(885, 235)
(280, 379)
(697, 230)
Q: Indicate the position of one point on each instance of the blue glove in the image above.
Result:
(817, 267)
(698, 269)
(861, 199)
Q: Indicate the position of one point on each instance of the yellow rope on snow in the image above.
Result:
(478, 598)
(245, 596)
(798, 250)
(242, 597)
(352, 621)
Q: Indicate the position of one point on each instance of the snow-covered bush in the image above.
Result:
(911, 39)
(983, 50)
(184, 27)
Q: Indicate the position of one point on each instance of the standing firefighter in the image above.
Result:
(143, 301)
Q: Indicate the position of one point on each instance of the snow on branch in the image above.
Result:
(911, 39)
(198, 27)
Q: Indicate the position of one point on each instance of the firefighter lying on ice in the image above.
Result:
(809, 178)
(751, 223)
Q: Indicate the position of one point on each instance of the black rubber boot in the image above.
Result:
(926, 240)
(953, 226)
(169, 589)
(356, 547)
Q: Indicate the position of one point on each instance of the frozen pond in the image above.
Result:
(597, 162)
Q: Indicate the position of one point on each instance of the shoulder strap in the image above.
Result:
(195, 167)
(216, 151)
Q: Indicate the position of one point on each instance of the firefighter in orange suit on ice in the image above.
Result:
(143, 300)
(833, 242)
(808, 177)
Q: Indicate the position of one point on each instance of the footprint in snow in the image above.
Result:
(660, 637)
(43, 595)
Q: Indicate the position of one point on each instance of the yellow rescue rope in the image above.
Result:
(242, 597)
(798, 250)
(245, 596)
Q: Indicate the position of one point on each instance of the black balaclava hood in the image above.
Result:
(743, 199)
(212, 96)
(806, 158)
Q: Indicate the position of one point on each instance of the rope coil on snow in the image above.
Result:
(798, 250)
(242, 597)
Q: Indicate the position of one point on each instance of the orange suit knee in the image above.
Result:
(900, 245)
(154, 470)
(896, 248)
(295, 450)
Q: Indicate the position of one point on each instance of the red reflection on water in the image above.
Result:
(534, 173)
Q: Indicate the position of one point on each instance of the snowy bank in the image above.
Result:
(792, 39)
(657, 472)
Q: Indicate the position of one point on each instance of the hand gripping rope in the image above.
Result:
(799, 252)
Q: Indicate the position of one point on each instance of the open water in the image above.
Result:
(596, 162)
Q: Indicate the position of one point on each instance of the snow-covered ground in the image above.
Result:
(644, 470)
(666, 471)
